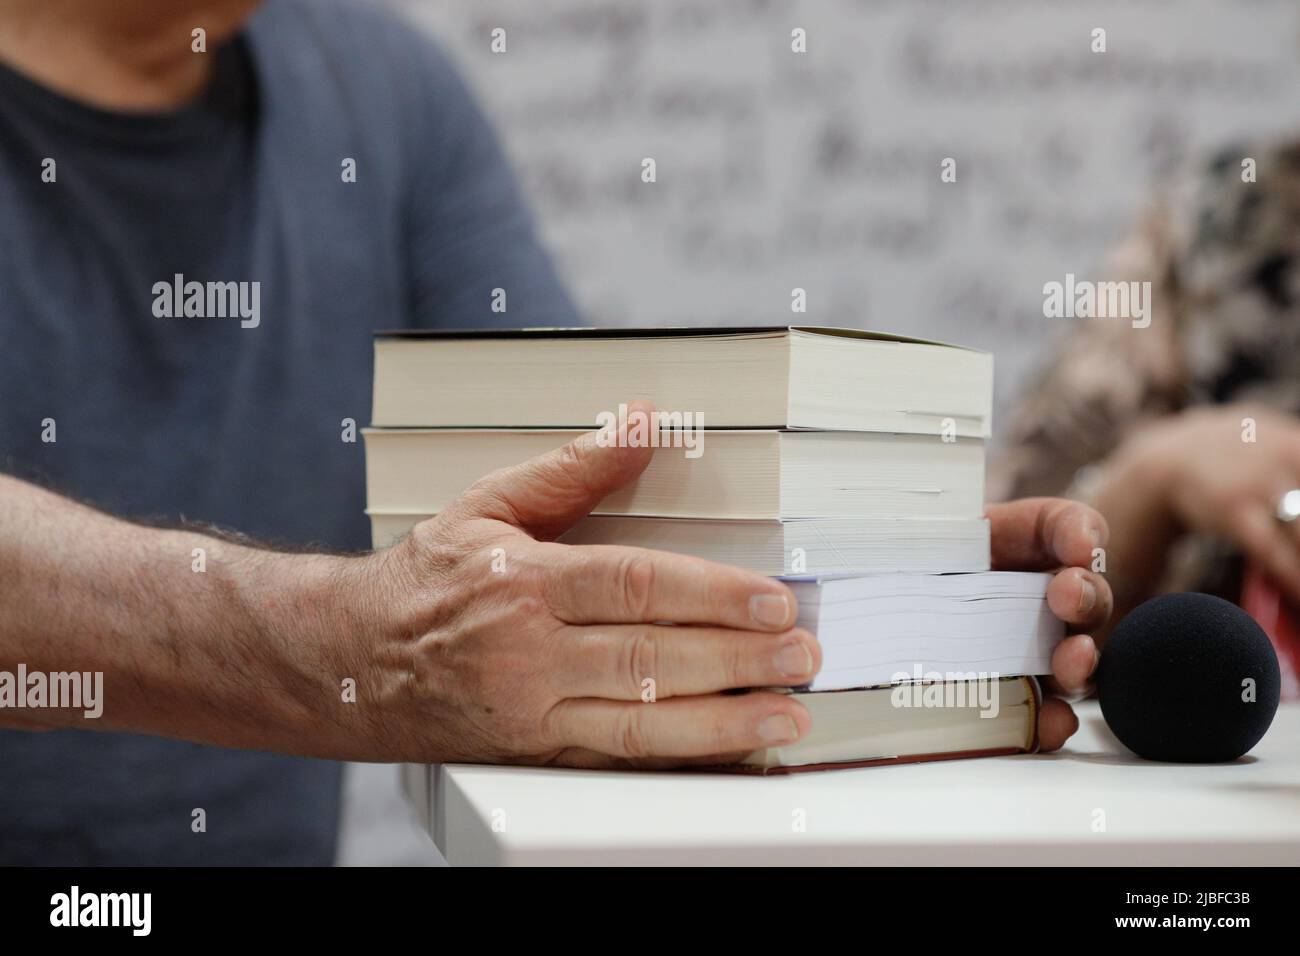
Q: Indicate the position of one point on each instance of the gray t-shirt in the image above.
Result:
(236, 421)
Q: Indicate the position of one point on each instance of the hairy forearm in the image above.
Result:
(196, 637)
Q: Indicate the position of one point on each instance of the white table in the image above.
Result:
(1093, 803)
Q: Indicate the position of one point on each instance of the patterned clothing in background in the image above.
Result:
(1223, 259)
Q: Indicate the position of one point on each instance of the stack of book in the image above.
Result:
(850, 463)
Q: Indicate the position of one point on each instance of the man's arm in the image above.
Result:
(197, 637)
(545, 662)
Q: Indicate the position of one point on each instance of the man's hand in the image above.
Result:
(492, 644)
(476, 638)
(1052, 534)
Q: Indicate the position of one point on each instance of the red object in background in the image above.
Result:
(1262, 599)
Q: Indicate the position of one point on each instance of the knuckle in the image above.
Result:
(637, 584)
(640, 653)
(571, 466)
(631, 738)
(481, 494)
(723, 732)
(522, 571)
(551, 727)
(489, 496)
(739, 661)
(529, 607)
(570, 459)
(560, 571)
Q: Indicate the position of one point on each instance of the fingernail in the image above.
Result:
(778, 729)
(1087, 596)
(794, 660)
(770, 610)
(1094, 532)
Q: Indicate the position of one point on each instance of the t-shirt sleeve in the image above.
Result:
(473, 240)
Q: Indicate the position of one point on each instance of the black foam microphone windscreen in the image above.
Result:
(1188, 678)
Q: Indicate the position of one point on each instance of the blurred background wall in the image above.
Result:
(821, 170)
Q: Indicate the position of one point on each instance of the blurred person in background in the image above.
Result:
(1184, 434)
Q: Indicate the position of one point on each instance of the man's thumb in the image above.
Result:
(546, 495)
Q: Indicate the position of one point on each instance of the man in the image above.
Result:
(150, 139)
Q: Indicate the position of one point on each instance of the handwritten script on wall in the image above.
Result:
(821, 170)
